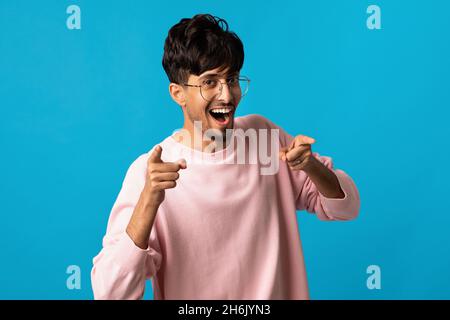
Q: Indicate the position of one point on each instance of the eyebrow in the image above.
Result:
(217, 74)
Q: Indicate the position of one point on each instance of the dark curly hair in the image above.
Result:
(201, 43)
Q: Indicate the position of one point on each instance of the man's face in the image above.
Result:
(217, 113)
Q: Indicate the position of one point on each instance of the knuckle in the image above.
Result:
(172, 184)
(154, 184)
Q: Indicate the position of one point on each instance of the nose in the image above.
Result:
(225, 94)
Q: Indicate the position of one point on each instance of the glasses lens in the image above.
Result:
(212, 88)
(243, 85)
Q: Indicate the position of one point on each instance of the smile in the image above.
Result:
(221, 115)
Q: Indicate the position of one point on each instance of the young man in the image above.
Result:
(200, 224)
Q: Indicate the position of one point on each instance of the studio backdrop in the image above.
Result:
(83, 94)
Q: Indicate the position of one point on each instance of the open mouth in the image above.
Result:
(221, 115)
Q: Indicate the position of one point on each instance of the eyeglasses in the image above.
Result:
(212, 87)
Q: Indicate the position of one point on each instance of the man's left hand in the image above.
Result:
(298, 154)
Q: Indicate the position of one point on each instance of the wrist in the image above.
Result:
(149, 198)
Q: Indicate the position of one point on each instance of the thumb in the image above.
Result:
(311, 140)
(182, 163)
(304, 140)
(155, 157)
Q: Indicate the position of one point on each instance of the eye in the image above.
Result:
(232, 81)
(209, 83)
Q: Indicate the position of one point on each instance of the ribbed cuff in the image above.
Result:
(339, 205)
(128, 255)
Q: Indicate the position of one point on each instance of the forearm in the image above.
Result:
(324, 179)
(142, 219)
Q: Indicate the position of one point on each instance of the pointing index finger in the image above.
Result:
(155, 157)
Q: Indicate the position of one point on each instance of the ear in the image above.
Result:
(177, 93)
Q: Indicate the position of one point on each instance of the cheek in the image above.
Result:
(237, 100)
(197, 108)
(196, 103)
(199, 105)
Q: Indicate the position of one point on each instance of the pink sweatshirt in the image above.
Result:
(224, 232)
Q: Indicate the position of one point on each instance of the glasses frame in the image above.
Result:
(244, 78)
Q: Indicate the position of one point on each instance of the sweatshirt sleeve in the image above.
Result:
(121, 268)
(311, 200)
(306, 193)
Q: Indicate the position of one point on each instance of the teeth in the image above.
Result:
(225, 110)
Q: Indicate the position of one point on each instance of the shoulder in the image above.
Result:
(138, 167)
(140, 163)
(258, 122)
(255, 121)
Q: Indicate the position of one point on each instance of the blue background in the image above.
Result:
(78, 106)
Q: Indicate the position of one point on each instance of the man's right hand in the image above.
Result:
(161, 176)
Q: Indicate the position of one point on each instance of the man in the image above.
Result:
(195, 221)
